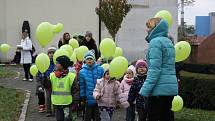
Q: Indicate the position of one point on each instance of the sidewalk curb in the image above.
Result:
(25, 105)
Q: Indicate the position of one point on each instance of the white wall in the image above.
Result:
(131, 37)
(77, 16)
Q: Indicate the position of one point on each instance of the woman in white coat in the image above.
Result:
(26, 57)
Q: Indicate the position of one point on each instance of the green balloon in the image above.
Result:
(73, 58)
(105, 66)
(74, 43)
(182, 51)
(44, 33)
(118, 52)
(118, 67)
(68, 48)
(107, 47)
(33, 70)
(177, 103)
(42, 62)
(60, 52)
(5, 48)
(58, 28)
(81, 51)
(166, 15)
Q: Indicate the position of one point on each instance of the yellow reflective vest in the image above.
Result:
(61, 89)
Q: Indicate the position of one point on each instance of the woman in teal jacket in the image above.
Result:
(161, 84)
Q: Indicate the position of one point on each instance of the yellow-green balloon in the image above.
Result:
(166, 15)
(5, 48)
(42, 62)
(107, 47)
(58, 28)
(182, 51)
(73, 58)
(118, 67)
(118, 52)
(68, 48)
(105, 66)
(33, 70)
(81, 51)
(44, 33)
(60, 52)
(74, 43)
(177, 103)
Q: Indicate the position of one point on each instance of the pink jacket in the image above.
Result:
(110, 93)
(125, 86)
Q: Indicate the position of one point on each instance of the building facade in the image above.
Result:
(79, 16)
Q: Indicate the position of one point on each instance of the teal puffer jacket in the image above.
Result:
(161, 77)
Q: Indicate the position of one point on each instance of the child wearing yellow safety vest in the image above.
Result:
(63, 86)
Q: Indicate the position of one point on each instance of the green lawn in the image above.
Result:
(194, 115)
(197, 75)
(6, 73)
(10, 104)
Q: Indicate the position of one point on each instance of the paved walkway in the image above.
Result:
(32, 114)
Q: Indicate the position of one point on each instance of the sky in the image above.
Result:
(200, 8)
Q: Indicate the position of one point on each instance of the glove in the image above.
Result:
(83, 102)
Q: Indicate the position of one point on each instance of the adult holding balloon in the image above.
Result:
(64, 40)
(161, 85)
(90, 43)
(26, 58)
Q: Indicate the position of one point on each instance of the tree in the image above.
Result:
(112, 13)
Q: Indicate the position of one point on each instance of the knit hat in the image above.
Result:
(90, 54)
(141, 63)
(89, 34)
(132, 68)
(52, 49)
(64, 61)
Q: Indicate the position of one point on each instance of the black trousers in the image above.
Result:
(60, 113)
(142, 114)
(159, 108)
(92, 112)
(27, 71)
(41, 98)
(130, 113)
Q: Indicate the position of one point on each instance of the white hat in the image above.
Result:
(132, 68)
(52, 48)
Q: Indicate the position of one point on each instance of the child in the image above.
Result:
(63, 86)
(125, 86)
(141, 68)
(108, 93)
(87, 81)
(41, 78)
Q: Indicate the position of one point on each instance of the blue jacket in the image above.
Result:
(161, 77)
(87, 80)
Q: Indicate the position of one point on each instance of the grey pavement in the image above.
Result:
(32, 112)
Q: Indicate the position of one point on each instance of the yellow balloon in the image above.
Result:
(81, 51)
(73, 58)
(107, 47)
(74, 43)
(58, 28)
(33, 70)
(68, 48)
(118, 52)
(42, 62)
(5, 48)
(182, 51)
(118, 67)
(60, 52)
(166, 15)
(177, 103)
(44, 33)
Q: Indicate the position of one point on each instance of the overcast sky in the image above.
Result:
(200, 8)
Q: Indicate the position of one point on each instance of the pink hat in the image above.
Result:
(141, 63)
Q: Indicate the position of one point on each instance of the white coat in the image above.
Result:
(26, 57)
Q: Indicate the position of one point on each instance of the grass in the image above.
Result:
(197, 75)
(194, 115)
(6, 73)
(10, 104)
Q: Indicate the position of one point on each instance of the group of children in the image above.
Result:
(68, 86)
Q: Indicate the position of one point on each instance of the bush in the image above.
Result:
(199, 68)
(198, 92)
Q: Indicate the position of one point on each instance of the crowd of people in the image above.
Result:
(67, 89)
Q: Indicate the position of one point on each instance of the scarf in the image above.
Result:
(128, 81)
(60, 74)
